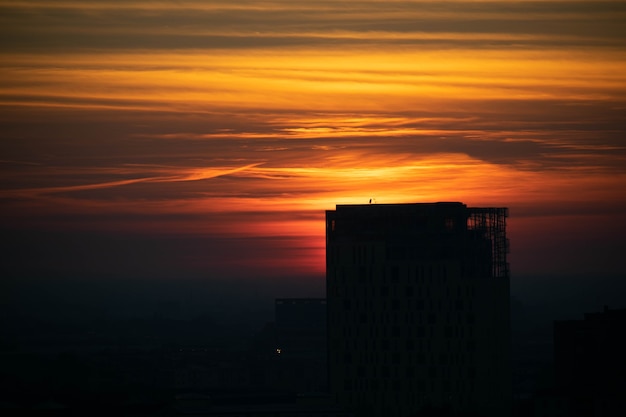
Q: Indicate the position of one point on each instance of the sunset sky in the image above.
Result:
(204, 139)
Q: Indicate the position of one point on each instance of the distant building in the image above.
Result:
(299, 360)
(590, 364)
(418, 309)
(301, 325)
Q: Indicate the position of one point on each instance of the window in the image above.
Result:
(420, 331)
(394, 274)
(396, 385)
(446, 386)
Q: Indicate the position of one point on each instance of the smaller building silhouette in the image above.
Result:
(590, 363)
(301, 325)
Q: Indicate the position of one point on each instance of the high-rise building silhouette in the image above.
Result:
(418, 309)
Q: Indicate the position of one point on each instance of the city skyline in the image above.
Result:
(206, 139)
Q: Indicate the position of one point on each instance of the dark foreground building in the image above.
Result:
(418, 309)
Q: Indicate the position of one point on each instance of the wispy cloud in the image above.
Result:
(176, 175)
(153, 24)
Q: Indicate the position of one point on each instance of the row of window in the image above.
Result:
(414, 383)
(407, 322)
(396, 304)
(416, 272)
(394, 332)
(380, 285)
(396, 358)
(406, 402)
(443, 249)
(368, 346)
(425, 264)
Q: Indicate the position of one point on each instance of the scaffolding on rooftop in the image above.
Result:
(491, 222)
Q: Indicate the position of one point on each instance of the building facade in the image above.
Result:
(418, 309)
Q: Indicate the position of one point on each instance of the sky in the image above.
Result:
(204, 140)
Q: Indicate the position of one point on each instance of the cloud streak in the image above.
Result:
(196, 174)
